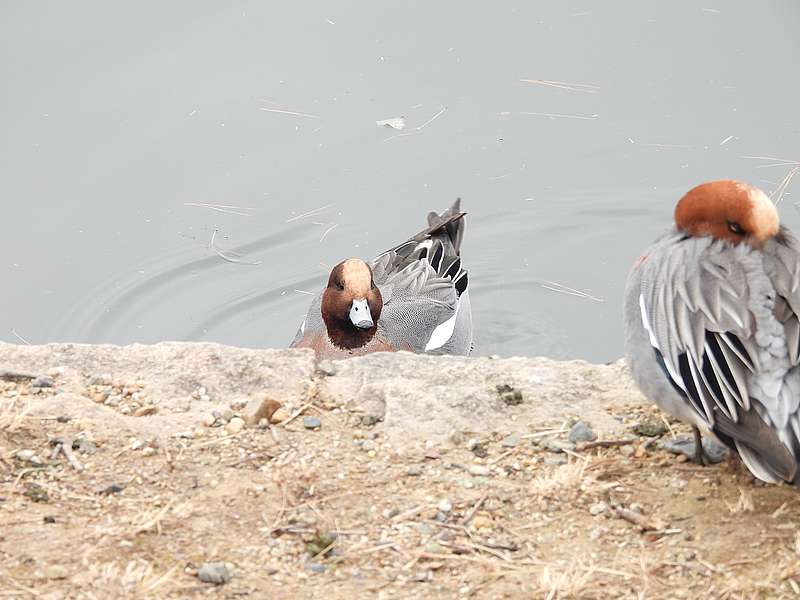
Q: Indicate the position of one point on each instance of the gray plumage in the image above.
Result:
(712, 336)
(424, 289)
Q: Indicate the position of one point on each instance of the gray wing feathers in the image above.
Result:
(690, 292)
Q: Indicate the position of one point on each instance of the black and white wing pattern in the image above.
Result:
(722, 321)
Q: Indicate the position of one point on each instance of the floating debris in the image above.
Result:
(398, 123)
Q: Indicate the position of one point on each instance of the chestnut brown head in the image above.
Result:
(728, 210)
(351, 304)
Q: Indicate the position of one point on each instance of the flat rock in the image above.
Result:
(410, 399)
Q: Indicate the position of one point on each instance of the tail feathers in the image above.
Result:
(451, 221)
(759, 446)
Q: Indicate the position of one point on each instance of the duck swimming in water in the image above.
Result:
(413, 297)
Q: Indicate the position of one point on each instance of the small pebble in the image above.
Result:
(445, 505)
(43, 382)
(557, 446)
(414, 471)
(479, 470)
(481, 522)
(235, 425)
(581, 432)
(214, 572)
(511, 441)
(56, 572)
(650, 429)
(100, 380)
(434, 548)
(595, 533)
(209, 420)
(29, 456)
(113, 400)
(598, 509)
(316, 567)
(311, 423)
(326, 367)
(552, 461)
(145, 411)
(114, 488)
(368, 445)
(84, 446)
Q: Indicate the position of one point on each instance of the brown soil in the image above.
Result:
(383, 520)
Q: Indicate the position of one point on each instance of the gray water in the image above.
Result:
(115, 115)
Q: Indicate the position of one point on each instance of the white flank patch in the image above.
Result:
(303, 326)
(442, 334)
(654, 343)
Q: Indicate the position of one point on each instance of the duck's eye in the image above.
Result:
(340, 285)
(735, 228)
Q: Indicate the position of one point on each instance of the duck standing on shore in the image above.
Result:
(711, 325)
(413, 297)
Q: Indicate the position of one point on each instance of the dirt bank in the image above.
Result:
(124, 471)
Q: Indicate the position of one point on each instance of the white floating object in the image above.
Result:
(398, 123)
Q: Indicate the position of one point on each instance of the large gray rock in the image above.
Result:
(412, 398)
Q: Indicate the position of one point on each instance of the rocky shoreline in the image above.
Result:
(181, 469)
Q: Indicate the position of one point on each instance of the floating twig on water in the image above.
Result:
(289, 112)
(19, 337)
(310, 213)
(572, 87)
(327, 231)
(230, 254)
(778, 192)
(416, 130)
(563, 289)
(224, 208)
(562, 116)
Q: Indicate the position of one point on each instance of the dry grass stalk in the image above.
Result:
(743, 504)
(561, 481)
(12, 414)
(643, 522)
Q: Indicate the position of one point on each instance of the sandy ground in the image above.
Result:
(352, 509)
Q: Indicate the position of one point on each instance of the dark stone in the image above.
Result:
(581, 432)
(650, 429)
(114, 488)
(683, 444)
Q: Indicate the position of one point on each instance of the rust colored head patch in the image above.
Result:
(350, 284)
(728, 210)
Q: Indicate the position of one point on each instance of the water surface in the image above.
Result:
(117, 117)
